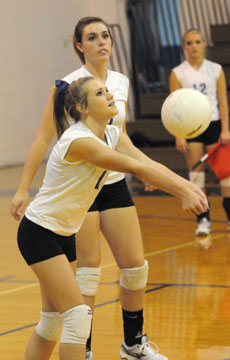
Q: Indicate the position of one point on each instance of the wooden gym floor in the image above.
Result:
(187, 302)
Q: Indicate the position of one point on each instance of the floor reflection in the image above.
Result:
(213, 353)
(204, 242)
(209, 347)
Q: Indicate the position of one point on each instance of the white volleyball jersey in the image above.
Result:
(69, 188)
(118, 85)
(204, 80)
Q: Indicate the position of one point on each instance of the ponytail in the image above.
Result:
(59, 107)
(66, 97)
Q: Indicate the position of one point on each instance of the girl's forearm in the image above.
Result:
(164, 179)
(34, 158)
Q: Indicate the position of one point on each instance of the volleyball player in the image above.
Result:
(76, 170)
(207, 77)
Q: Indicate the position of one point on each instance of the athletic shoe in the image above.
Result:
(89, 355)
(141, 351)
(203, 227)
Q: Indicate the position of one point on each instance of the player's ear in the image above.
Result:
(79, 46)
(81, 109)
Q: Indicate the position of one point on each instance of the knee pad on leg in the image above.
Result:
(134, 278)
(49, 325)
(76, 325)
(88, 280)
(197, 178)
(225, 182)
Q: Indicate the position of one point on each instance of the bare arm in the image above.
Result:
(223, 108)
(129, 159)
(35, 156)
(126, 146)
(174, 84)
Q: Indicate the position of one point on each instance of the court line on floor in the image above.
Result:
(153, 253)
(185, 285)
(172, 248)
(6, 278)
(6, 292)
(154, 217)
(158, 287)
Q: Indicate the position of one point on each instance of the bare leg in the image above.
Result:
(88, 252)
(88, 241)
(60, 286)
(39, 348)
(195, 152)
(122, 232)
(88, 247)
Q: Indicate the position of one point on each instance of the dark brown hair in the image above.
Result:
(82, 23)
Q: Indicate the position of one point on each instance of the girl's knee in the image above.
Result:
(76, 325)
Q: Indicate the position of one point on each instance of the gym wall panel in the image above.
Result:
(36, 49)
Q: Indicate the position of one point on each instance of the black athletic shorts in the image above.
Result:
(112, 196)
(38, 244)
(210, 135)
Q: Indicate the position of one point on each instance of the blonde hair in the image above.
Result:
(66, 97)
(194, 31)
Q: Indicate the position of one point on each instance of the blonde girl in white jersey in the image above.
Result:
(113, 210)
(76, 169)
(208, 77)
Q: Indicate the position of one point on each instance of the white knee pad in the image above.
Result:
(76, 325)
(134, 278)
(197, 178)
(225, 182)
(49, 325)
(88, 279)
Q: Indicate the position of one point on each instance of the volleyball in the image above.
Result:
(186, 113)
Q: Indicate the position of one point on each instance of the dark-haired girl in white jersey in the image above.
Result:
(208, 77)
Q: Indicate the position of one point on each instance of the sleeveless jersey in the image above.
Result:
(204, 80)
(69, 188)
(118, 85)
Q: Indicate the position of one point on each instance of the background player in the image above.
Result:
(208, 77)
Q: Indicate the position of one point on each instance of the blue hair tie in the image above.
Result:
(62, 86)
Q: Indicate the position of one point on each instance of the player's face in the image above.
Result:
(194, 45)
(96, 43)
(101, 103)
